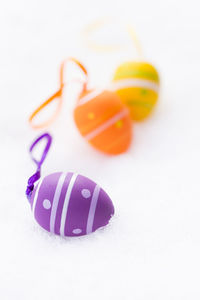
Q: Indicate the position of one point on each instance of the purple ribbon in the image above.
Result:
(39, 163)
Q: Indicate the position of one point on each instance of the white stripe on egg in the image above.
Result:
(36, 196)
(66, 204)
(90, 96)
(129, 83)
(106, 125)
(56, 201)
(92, 210)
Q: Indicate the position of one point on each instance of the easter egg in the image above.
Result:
(137, 84)
(104, 121)
(69, 204)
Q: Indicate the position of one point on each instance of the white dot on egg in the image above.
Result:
(86, 193)
(77, 231)
(46, 204)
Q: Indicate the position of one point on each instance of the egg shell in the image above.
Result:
(137, 84)
(69, 204)
(104, 121)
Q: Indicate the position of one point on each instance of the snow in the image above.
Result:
(151, 248)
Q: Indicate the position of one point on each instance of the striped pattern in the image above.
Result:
(66, 204)
(90, 96)
(60, 184)
(36, 195)
(92, 210)
(130, 83)
(133, 72)
(56, 201)
(106, 124)
(136, 69)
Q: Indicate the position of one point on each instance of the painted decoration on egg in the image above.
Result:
(69, 204)
(104, 121)
(137, 84)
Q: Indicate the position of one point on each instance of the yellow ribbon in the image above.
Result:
(91, 28)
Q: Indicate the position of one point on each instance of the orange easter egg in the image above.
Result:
(104, 121)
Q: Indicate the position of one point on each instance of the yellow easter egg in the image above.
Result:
(137, 84)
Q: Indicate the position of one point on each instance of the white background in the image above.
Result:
(151, 249)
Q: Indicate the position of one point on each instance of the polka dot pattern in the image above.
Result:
(69, 204)
(86, 193)
(77, 231)
(46, 204)
(119, 124)
(91, 116)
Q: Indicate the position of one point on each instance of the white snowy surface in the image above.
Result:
(151, 249)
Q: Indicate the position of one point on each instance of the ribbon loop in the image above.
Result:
(78, 63)
(98, 47)
(39, 162)
(45, 151)
(57, 96)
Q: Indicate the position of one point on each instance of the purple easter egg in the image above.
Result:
(69, 204)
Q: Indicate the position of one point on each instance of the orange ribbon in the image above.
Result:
(57, 95)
